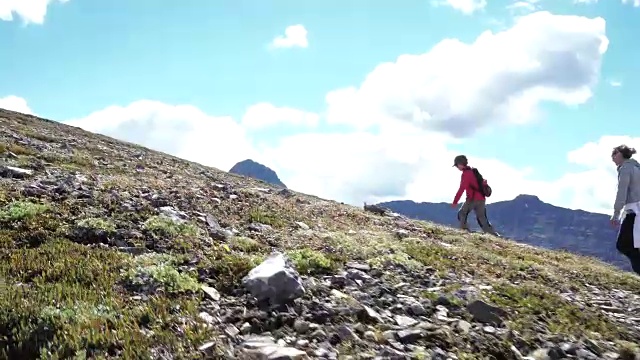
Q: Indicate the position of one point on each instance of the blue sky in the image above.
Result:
(87, 55)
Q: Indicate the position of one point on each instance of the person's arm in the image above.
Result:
(464, 183)
(624, 178)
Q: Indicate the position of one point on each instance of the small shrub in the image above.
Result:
(434, 255)
(93, 231)
(535, 304)
(22, 210)
(20, 150)
(261, 216)
(152, 272)
(246, 245)
(164, 226)
(227, 267)
(63, 261)
(395, 259)
(82, 160)
(41, 137)
(308, 261)
(27, 223)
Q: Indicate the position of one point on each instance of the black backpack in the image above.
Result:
(483, 186)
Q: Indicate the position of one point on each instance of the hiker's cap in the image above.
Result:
(460, 160)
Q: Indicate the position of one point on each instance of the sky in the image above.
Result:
(343, 99)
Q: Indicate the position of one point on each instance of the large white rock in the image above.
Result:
(274, 280)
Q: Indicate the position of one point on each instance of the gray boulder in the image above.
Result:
(274, 280)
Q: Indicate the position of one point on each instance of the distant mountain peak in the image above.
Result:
(257, 171)
(249, 162)
(527, 198)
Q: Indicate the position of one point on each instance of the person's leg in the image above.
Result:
(463, 214)
(481, 215)
(634, 259)
(625, 242)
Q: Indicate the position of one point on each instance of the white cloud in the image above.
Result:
(524, 6)
(452, 90)
(597, 155)
(31, 11)
(404, 120)
(181, 130)
(15, 103)
(294, 36)
(500, 78)
(467, 7)
(359, 166)
(264, 115)
(594, 188)
(636, 3)
(615, 83)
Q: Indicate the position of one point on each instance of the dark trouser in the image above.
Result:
(625, 242)
(478, 207)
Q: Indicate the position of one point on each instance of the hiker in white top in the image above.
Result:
(627, 204)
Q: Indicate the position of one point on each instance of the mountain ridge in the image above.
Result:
(528, 219)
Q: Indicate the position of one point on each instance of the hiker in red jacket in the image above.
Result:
(477, 190)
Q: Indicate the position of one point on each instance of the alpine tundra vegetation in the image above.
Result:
(111, 250)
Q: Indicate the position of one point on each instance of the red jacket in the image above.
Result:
(467, 180)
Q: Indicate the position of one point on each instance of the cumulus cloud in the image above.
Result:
(394, 135)
(467, 7)
(634, 3)
(594, 188)
(523, 6)
(31, 11)
(265, 115)
(180, 130)
(500, 78)
(360, 166)
(15, 103)
(597, 155)
(406, 115)
(294, 36)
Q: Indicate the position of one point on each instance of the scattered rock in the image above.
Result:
(409, 336)
(212, 293)
(405, 321)
(274, 280)
(376, 209)
(265, 348)
(302, 225)
(15, 172)
(358, 266)
(485, 313)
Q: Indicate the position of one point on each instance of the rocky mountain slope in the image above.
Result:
(110, 250)
(531, 221)
(257, 171)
